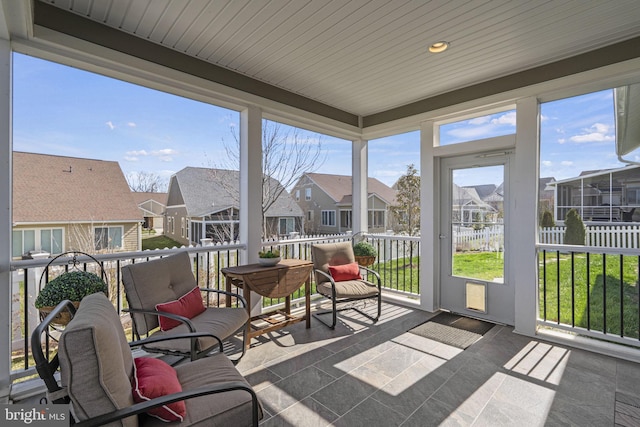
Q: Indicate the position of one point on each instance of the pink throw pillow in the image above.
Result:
(154, 378)
(345, 272)
(189, 305)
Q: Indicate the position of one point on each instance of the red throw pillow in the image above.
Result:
(345, 272)
(189, 305)
(155, 378)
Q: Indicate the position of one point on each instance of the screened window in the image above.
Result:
(108, 238)
(297, 195)
(488, 126)
(287, 225)
(329, 218)
(307, 194)
(376, 219)
(345, 219)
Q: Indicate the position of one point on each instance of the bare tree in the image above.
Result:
(147, 182)
(286, 155)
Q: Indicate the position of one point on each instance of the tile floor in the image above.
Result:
(380, 375)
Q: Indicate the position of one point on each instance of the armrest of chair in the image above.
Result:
(375, 273)
(139, 408)
(233, 294)
(177, 317)
(47, 368)
(187, 335)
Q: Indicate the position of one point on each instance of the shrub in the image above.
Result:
(72, 285)
(547, 220)
(574, 232)
(364, 249)
(269, 254)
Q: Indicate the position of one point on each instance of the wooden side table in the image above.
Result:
(278, 281)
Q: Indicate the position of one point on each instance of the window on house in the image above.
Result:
(376, 219)
(108, 238)
(287, 225)
(633, 196)
(310, 216)
(182, 227)
(345, 219)
(44, 239)
(329, 218)
(297, 195)
(307, 194)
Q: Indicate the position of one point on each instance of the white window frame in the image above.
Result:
(298, 195)
(109, 233)
(307, 194)
(37, 238)
(328, 218)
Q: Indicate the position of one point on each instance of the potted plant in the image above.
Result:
(72, 285)
(269, 258)
(365, 253)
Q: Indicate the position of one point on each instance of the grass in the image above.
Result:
(611, 288)
(479, 265)
(159, 242)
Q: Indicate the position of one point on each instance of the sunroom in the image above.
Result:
(362, 71)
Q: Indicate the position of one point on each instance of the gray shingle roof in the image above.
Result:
(206, 190)
(339, 186)
(50, 188)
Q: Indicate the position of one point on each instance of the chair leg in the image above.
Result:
(332, 312)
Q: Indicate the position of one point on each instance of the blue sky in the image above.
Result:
(65, 111)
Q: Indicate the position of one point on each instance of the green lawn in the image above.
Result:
(587, 297)
(159, 242)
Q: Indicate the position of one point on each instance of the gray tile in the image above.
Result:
(288, 391)
(368, 414)
(347, 360)
(628, 377)
(395, 360)
(307, 412)
(261, 378)
(436, 413)
(409, 390)
(295, 361)
(344, 393)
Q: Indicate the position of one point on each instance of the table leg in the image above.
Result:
(246, 293)
(307, 301)
(228, 289)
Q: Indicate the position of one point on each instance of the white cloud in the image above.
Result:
(562, 141)
(110, 125)
(566, 163)
(137, 153)
(547, 163)
(131, 124)
(479, 120)
(505, 119)
(599, 132)
(131, 158)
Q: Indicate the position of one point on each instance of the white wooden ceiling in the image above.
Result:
(369, 56)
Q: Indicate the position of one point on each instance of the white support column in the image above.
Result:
(251, 189)
(523, 271)
(5, 218)
(429, 220)
(359, 172)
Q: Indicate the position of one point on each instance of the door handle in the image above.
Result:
(442, 236)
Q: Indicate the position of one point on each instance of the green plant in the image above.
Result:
(269, 254)
(72, 285)
(547, 220)
(574, 233)
(364, 249)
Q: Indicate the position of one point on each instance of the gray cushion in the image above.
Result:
(154, 282)
(96, 364)
(221, 322)
(222, 409)
(349, 289)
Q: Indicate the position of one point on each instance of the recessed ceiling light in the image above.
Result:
(438, 47)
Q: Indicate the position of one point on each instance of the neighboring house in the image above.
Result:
(68, 203)
(546, 194)
(468, 207)
(602, 195)
(203, 203)
(327, 203)
(152, 206)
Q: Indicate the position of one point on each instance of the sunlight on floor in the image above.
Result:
(541, 361)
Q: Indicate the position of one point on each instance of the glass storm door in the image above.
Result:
(473, 226)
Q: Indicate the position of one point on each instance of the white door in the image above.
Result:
(474, 221)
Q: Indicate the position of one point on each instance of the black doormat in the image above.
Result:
(454, 330)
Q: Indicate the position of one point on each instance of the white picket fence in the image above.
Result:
(609, 236)
(485, 239)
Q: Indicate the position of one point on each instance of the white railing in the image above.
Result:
(610, 236)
